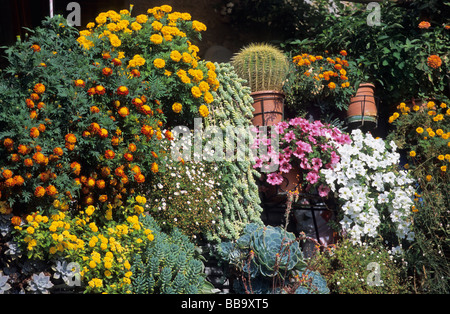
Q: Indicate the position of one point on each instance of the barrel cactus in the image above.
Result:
(264, 66)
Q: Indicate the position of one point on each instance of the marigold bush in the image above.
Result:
(158, 47)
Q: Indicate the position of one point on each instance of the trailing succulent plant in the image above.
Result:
(264, 66)
(168, 265)
(269, 260)
(232, 112)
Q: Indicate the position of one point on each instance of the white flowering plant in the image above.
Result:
(376, 197)
(186, 196)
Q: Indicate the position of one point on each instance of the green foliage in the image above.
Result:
(347, 271)
(263, 66)
(268, 259)
(168, 265)
(232, 113)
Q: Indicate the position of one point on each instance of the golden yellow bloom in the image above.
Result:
(441, 157)
(203, 110)
(444, 168)
(196, 92)
(159, 63)
(177, 107)
(175, 56)
(198, 26)
(412, 153)
(429, 177)
(136, 26)
(142, 18)
(156, 39)
(419, 130)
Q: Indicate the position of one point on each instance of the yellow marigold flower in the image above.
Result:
(136, 26)
(444, 168)
(175, 56)
(159, 63)
(441, 157)
(30, 230)
(431, 104)
(196, 92)
(419, 130)
(412, 153)
(39, 88)
(443, 105)
(439, 132)
(142, 18)
(90, 210)
(208, 97)
(429, 177)
(416, 108)
(198, 26)
(177, 107)
(156, 39)
(203, 110)
(157, 25)
(114, 40)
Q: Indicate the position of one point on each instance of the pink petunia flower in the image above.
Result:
(323, 190)
(312, 177)
(274, 178)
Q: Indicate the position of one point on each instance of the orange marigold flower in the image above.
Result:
(28, 162)
(100, 90)
(139, 177)
(103, 198)
(115, 141)
(109, 154)
(23, 149)
(94, 109)
(58, 151)
(154, 154)
(39, 88)
(154, 167)
(80, 83)
(15, 157)
(39, 191)
(136, 169)
(8, 142)
(7, 173)
(128, 156)
(18, 180)
(100, 184)
(51, 190)
(34, 96)
(16, 220)
(434, 61)
(424, 25)
(343, 53)
(107, 71)
(41, 127)
(116, 62)
(94, 127)
(124, 111)
(135, 73)
(122, 90)
(10, 182)
(36, 48)
(91, 91)
(70, 138)
(119, 171)
(34, 132)
(105, 171)
(331, 85)
(132, 147)
(103, 133)
(76, 167)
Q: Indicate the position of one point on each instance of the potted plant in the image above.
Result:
(304, 149)
(265, 68)
(319, 84)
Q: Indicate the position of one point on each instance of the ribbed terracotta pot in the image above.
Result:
(269, 107)
(363, 109)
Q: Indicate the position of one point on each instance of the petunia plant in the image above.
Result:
(306, 147)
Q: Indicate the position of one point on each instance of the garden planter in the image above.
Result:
(362, 109)
(291, 180)
(269, 107)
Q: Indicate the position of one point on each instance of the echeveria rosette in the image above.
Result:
(310, 146)
(375, 196)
